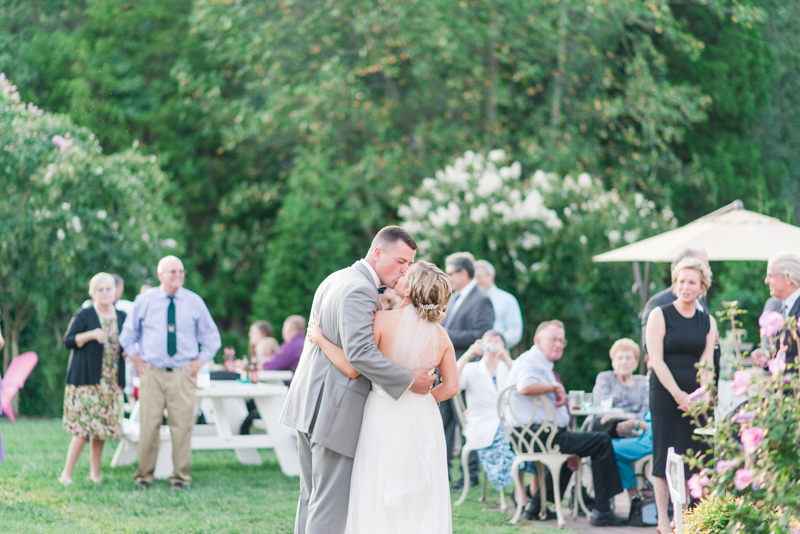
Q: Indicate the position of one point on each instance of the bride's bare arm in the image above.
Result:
(448, 369)
(335, 354)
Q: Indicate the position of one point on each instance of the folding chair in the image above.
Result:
(676, 481)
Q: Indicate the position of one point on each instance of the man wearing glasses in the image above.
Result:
(170, 335)
(533, 374)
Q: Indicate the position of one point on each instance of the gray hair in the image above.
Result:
(296, 324)
(689, 253)
(118, 281)
(462, 260)
(97, 279)
(487, 267)
(492, 333)
(787, 265)
(163, 261)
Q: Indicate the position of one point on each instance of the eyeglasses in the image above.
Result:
(771, 276)
(557, 341)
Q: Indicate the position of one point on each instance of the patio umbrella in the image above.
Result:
(730, 233)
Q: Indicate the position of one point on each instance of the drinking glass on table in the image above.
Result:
(587, 400)
(576, 398)
(607, 401)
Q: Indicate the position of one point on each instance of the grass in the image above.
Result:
(226, 497)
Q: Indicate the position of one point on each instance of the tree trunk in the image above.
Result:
(491, 84)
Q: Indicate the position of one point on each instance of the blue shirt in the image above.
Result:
(507, 315)
(197, 335)
(532, 367)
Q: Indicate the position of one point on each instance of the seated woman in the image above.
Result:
(636, 442)
(629, 394)
(483, 381)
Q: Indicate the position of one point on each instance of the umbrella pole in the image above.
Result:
(643, 287)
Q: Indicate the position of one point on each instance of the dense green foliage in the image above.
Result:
(292, 131)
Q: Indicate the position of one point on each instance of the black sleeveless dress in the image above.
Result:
(684, 343)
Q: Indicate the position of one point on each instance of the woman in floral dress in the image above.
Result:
(96, 375)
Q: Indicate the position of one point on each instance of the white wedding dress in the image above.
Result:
(399, 483)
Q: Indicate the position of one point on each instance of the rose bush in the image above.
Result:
(752, 468)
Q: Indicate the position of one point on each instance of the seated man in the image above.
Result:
(533, 374)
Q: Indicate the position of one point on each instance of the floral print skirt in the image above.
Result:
(497, 459)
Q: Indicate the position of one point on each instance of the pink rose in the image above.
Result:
(697, 395)
(696, 485)
(741, 417)
(743, 478)
(760, 357)
(752, 438)
(741, 382)
(776, 365)
(771, 323)
(724, 465)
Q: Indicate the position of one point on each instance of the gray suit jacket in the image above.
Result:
(473, 318)
(323, 401)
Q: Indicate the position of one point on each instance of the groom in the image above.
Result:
(323, 404)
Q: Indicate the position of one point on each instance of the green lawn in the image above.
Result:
(226, 497)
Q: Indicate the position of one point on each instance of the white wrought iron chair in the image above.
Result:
(533, 443)
(465, 452)
(676, 481)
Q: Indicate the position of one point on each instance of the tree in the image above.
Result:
(67, 212)
(540, 234)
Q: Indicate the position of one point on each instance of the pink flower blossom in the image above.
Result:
(771, 323)
(696, 485)
(743, 478)
(741, 417)
(61, 142)
(697, 395)
(146, 237)
(760, 357)
(724, 465)
(752, 438)
(776, 365)
(741, 382)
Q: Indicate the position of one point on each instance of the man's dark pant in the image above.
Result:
(605, 473)
(450, 421)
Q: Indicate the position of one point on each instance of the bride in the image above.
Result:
(399, 483)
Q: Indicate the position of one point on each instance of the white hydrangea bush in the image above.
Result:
(483, 201)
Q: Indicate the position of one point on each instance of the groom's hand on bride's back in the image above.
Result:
(423, 379)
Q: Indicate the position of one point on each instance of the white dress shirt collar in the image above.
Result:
(790, 300)
(467, 289)
(375, 278)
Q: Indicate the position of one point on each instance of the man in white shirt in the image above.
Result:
(534, 374)
(507, 315)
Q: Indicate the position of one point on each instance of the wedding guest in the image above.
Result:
(265, 349)
(287, 358)
(679, 336)
(258, 330)
(783, 279)
(533, 374)
(170, 335)
(507, 315)
(144, 288)
(482, 381)
(469, 316)
(95, 377)
(389, 299)
(635, 441)
(629, 394)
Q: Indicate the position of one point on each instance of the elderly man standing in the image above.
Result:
(469, 315)
(783, 279)
(507, 315)
(533, 374)
(176, 336)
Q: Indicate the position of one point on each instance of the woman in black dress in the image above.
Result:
(678, 337)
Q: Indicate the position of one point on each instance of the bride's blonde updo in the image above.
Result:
(429, 290)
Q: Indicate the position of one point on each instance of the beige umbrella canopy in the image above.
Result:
(730, 233)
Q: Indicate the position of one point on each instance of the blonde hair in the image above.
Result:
(96, 279)
(696, 265)
(266, 344)
(547, 324)
(429, 290)
(622, 345)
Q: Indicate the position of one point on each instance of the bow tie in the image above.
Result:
(381, 290)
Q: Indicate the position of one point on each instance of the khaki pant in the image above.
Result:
(176, 391)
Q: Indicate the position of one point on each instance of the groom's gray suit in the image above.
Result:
(326, 407)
